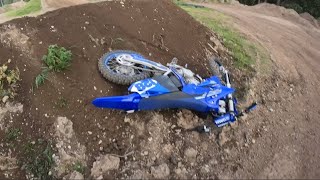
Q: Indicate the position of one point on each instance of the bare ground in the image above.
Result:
(279, 140)
(287, 124)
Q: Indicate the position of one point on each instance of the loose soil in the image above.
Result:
(279, 140)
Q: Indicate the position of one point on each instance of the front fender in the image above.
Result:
(127, 103)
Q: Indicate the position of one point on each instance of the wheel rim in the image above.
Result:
(126, 68)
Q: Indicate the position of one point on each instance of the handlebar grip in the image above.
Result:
(218, 62)
(252, 107)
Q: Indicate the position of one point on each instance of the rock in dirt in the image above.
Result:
(7, 163)
(9, 108)
(190, 154)
(160, 172)
(70, 150)
(181, 172)
(5, 99)
(104, 164)
(75, 175)
(187, 120)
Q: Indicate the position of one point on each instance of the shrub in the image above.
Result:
(58, 58)
(8, 81)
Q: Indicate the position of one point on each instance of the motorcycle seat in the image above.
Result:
(169, 83)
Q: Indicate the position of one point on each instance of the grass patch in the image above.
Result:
(57, 60)
(30, 7)
(41, 77)
(242, 50)
(38, 159)
(12, 134)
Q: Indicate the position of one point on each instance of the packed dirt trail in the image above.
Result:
(291, 111)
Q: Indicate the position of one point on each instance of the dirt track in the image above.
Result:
(279, 140)
(290, 147)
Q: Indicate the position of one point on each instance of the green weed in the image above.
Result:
(41, 77)
(58, 58)
(38, 159)
(12, 134)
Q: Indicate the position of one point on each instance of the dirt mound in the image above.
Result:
(156, 29)
(282, 12)
(311, 19)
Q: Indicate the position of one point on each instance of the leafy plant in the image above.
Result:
(58, 58)
(8, 80)
(38, 159)
(41, 77)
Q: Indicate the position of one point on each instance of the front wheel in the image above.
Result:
(214, 66)
(123, 73)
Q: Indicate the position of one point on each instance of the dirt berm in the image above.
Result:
(156, 29)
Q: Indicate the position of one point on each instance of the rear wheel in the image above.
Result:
(121, 72)
(214, 67)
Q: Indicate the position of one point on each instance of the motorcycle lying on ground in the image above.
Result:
(155, 86)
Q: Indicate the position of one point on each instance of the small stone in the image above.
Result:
(76, 175)
(69, 147)
(145, 153)
(100, 142)
(253, 141)
(150, 139)
(191, 154)
(95, 88)
(271, 110)
(5, 99)
(126, 119)
(87, 22)
(101, 148)
(104, 164)
(160, 172)
(89, 132)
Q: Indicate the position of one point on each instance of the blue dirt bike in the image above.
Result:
(154, 86)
